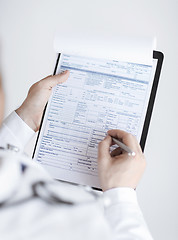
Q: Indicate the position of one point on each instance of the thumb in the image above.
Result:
(52, 81)
(104, 150)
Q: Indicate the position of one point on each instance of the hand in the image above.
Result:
(32, 108)
(118, 169)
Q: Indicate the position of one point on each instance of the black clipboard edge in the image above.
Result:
(160, 56)
(55, 69)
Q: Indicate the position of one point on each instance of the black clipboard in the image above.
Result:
(156, 55)
(159, 56)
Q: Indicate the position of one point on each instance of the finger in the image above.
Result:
(52, 81)
(126, 138)
(104, 149)
(116, 152)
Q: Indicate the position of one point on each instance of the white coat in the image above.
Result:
(114, 214)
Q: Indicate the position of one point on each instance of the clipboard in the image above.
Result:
(157, 56)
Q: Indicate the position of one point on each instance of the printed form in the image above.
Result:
(99, 95)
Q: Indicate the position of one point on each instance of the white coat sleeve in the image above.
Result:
(15, 131)
(124, 215)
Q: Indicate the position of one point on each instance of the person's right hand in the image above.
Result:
(117, 168)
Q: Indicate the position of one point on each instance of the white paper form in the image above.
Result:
(99, 95)
(123, 48)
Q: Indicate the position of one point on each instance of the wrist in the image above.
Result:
(23, 113)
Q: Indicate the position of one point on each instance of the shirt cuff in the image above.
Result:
(21, 132)
(119, 195)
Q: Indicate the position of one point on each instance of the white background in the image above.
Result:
(26, 50)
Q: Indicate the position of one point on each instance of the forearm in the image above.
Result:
(15, 131)
(124, 215)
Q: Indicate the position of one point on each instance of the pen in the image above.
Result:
(124, 147)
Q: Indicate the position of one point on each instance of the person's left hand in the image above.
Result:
(32, 108)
